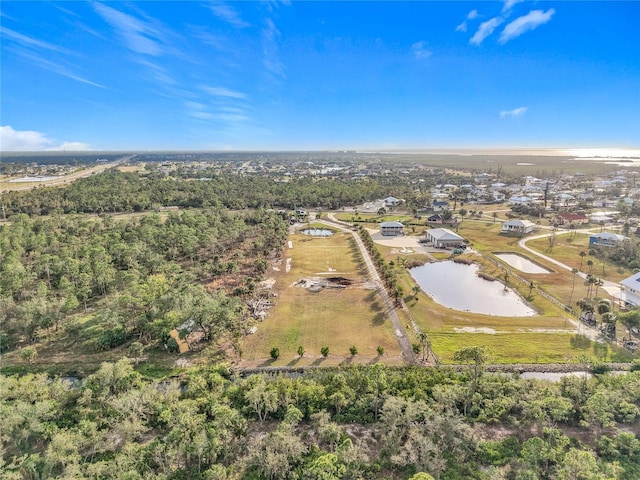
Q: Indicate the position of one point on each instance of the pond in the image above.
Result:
(521, 263)
(456, 285)
(317, 232)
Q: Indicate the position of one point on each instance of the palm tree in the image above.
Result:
(582, 255)
(590, 265)
(598, 283)
(574, 271)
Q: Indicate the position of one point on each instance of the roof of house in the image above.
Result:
(632, 282)
(444, 234)
(573, 216)
(391, 225)
(520, 223)
(608, 236)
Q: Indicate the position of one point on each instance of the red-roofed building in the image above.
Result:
(571, 219)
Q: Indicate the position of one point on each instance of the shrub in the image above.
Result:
(275, 353)
(324, 351)
(112, 338)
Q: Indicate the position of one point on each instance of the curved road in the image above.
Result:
(612, 288)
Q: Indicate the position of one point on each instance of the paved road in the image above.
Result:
(66, 179)
(390, 310)
(612, 288)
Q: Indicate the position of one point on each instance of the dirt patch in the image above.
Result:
(489, 331)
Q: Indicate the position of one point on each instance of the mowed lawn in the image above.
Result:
(335, 318)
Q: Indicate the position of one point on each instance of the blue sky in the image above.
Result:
(299, 75)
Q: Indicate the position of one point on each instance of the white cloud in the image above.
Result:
(516, 112)
(271, 61)
(523, 24)
(470, 16)
(30, 141)
(137, 35)
(508, 5)
(485, 29)
(462, 27)
(224, 92)
(420, 50)
(33, 42)
(228, 14)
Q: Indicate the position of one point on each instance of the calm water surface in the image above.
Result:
(521, 263)
(457, 286)
(317, 232)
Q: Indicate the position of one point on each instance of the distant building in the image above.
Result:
(520, 200)
(392, 201)
(439, 205)
(606, 239)
(443, 238)
(521, 227)
(438, 218)
(571, 219)
(391, 229)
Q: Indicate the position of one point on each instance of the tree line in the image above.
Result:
(355, 422)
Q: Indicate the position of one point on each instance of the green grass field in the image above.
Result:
(336, 318)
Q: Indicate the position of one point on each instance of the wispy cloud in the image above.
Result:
(138, 35)
(420, 50)
(508, 5)
(227, 14)
(224, 92)
(33, 43)
(30, 140)
(33, 57)
(470, 16)
(271, 60)
(520, 25)
(485, 29)
(515, 113)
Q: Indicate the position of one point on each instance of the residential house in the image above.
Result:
(606, 239)
(520, 227)
(391, 229)
(567, 219)
(438, 218)
(630, 290)
(439, 205)
(520, 200)
(443, 238)
(392, 201)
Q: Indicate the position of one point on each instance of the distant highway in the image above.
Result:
(66, 179)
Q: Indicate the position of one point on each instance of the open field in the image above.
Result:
(337, 318)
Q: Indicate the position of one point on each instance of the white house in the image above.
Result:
(392, 201)
(520, 200)
(630, 290)
(521, 227)
(443, 238)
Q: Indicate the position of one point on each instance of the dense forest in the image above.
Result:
(116, 191)
(147, 275)
(370, 422)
